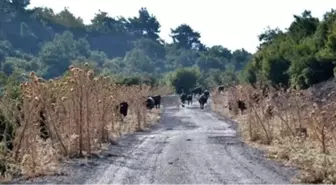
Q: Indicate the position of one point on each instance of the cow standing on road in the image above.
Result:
(203, 100)
(189, 99)
(207, 93)
(183, 98)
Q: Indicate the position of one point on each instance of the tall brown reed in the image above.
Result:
(299, 127)
(80, 117)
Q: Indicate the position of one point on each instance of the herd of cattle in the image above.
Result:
(151, 102)
(203, 98)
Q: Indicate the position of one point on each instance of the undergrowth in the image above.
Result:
(295, 127)
(80, 117)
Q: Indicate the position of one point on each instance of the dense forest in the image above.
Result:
(46, 42)
(301, 56)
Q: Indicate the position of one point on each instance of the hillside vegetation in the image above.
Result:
(39, 39)
(299, 57)
(290, 97)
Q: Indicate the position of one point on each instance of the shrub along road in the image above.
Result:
(189, 145)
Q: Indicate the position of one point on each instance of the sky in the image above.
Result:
(234, 24)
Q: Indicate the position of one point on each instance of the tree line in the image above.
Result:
(299, 57)
(130, 49)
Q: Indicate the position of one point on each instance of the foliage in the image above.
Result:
(46, 42)
(184, 79)
(81, 114)
(299, 126)
(300, 57)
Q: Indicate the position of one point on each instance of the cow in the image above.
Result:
(150, 103)
(220, 88)
(189, 98)
(122, 108)
(183, 98)
(206, 93)
(197, 90)
(157, 101)
(203, 100)
(241, 105)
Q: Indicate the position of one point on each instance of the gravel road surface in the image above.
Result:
(188, 146)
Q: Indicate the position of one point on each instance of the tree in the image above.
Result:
(209, 62)
(46, 42)
(219, 51)
(240, 58)
(269, 35)
(184, 79)
(20, 4)
(303, 26)
(185, 37)
(300, 57)
(59, 53)
(137, 61)
(66, 18)
(145, 25)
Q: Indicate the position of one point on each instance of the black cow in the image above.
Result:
(183, 98)
(157, 101)
(189, 99)
(150, 103)
(241, 105)
(197, 90)
(123, 108)
(206, 93)
(203, 100)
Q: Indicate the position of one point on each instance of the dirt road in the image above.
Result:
(189, 145)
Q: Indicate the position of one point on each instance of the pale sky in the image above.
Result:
(234, 24)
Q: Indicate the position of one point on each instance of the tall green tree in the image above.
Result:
(185, 37)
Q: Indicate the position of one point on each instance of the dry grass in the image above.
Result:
(80, 117)
(274, 123)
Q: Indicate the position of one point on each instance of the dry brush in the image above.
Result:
(293, 126)
(78, 115)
